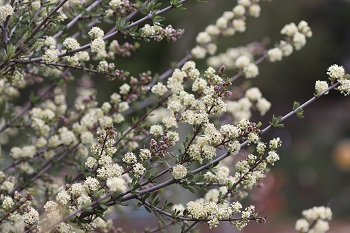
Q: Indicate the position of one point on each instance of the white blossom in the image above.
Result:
(179, 171)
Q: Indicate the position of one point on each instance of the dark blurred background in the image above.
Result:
(315, 157)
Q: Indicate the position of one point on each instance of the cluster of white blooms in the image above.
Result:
(77, 58)
(124, 89)
(213, 212)
(105, 67)
(71, 43)
(50, 42)
(5, 11)
(138, 170)
(158, 33)
(31, 217)
(229, 60)
(179, 171)
(222, 175)
(227, 25)
(129, 158)
(335, 73)
(241, 109)
(7, 203)
(115, 4)
(272, 157)
(156, 130)
(96, 32)
(117, 184)
(159, 89)
(24, 152)
(315, 220)
(245, 64)
(344, 86)
(98, 47)
(320, 86)
(67, 137)
(51, 55)
(296, 37)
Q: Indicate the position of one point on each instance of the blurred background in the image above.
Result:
(315, 157)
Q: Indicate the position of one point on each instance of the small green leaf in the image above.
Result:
(148, 209)
(296, 105)
(276, 122)
(300, 112)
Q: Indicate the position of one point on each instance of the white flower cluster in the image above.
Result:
(296, 37)
(230, 56)
(159, 89)
(71, 43)
(5, 11)
(222, 175)
(105, 67)
(320, 86)
(98, 45)
(42, 118)
(96, 32)
(241, 109)
(227, 25)
(24, 152)
(51, 55)
(31, 217)
(7, 203)
(179, 171)
(158, 33)
(336, 73)
(115, 4)
(213, 212)
(315, 220)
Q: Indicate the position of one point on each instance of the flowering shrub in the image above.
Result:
(73, 163)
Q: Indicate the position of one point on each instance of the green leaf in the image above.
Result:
(158, 18)
(148, 209)
(191, 189)
(200, 179)
(300, 112)
(298, 109)
(259, 124)
(167, 206)
(296, 105)
(276, 122)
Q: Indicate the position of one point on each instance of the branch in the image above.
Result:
(6, 26)
(106, 37)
